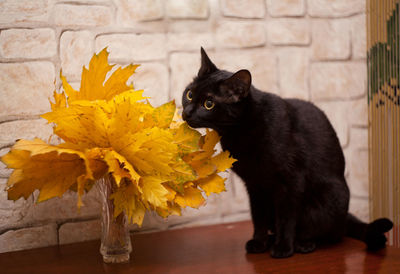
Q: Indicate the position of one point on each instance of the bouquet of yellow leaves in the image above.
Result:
(110, 129)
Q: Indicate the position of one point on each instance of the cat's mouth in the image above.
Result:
(193, 123)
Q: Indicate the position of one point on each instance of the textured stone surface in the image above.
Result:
(335, 8)
(134, 47)
(243, 8)
(360, 208)
(24, 129)
(28, 43)
(183, 66)
(337, 80)
(288, 32)
(76, 49)
(4, 171)
(239, 194)
(11, 212)
(64, 208)
(357, 161)
(281, 8)
(196, 9)
(359, 112)
(231, 34)
(262, 63)
(337, 115)
(359, 36)
(27, 238)
(129, 11)
(26, 87)
(24, 11)
(189, 41)
(293, 73)
(153, 78)
(331, 39)
(80, 15)
(79, 232)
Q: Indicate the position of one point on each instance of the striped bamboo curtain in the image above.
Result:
(384, 111)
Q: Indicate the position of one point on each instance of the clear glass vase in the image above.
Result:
(115, 239)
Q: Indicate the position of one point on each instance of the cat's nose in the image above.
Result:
(187, 112)
(185, 115)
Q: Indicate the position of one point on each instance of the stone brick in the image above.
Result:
(240, 197)
(359, 138)
(357, 165)
(359, 112)
(28, 43)
(11, 212)
(183, 67)
(153, 78)
(24, 11)
(64, 208)
(129, 11)
(262, 64)
(189, 41)
(26, 87)
(191, 26)
(288, 32)
(338, 80)
(82, 15)
(232, 34)
(4, 171)
(331, 39)
(337, 113)
(24, 129)
(359, 36)
(337, 8)
(79, 232)
(76, 49)
(27, 238)
(134, 47)
(360, 208)
(243, 8)
(293, 73)
(281, 8)
(196, 9)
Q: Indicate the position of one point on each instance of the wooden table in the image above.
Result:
(212, 249)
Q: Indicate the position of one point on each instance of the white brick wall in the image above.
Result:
(309, 49)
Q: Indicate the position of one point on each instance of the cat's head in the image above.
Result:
(215, 98)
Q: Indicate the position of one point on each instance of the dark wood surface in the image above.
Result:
(212, 249)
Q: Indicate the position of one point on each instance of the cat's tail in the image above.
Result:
(372, 234)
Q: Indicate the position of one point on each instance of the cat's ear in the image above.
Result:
(207, 66)
(236, 87)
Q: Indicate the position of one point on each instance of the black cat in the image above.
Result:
(289, 158)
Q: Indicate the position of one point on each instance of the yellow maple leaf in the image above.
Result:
(212, 184)
(126, 200)
(223, 161)
(192, 197)
(50, 169)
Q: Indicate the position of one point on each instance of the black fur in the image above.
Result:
(289, 158)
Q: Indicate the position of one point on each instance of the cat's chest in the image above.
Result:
(244, 147)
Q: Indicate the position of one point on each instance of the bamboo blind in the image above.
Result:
(384, 111)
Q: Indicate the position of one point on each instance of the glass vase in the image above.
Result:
(115, 239)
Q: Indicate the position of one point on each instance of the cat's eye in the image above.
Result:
(189, 95)
(209, 104)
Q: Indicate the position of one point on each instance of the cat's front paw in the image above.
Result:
(257, 246)
(282, 250)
